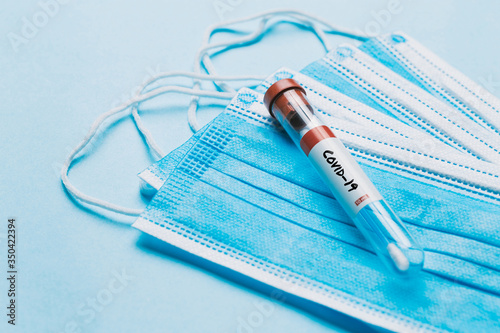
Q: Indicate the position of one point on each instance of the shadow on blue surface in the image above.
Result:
(327, 316)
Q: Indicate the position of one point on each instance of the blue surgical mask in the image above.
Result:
(154, 176)
(382, 137)
(355, 73)
(245, 198)
(241, 195)
(410, 59)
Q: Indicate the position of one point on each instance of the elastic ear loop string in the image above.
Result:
(94, 129)
(309, 20)
(150, 142)
(206, 61)
(256, 35)
(251, 38)
(203, 58)
(248, 40)
(195, 92)
(193, 123)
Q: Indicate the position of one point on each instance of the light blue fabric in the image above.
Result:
(405, 56)
(247, 187)
(156, 174)
(435, 100)
(374, 48)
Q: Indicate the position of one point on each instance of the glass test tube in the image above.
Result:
(286, 101)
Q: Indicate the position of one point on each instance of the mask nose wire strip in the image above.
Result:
(203, 58)
(77, 194)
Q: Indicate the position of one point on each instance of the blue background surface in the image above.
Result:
(89, 57)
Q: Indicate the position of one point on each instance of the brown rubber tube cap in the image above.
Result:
(277, 89)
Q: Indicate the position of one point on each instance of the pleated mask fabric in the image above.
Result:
(242, 196)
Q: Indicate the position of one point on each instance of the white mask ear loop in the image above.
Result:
(149, 140)
(250, 39)
(95, 127)
(203, 58)
(301, 17)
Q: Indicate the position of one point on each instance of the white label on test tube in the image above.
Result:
(345, 178)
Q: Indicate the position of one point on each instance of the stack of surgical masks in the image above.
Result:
(239, 193)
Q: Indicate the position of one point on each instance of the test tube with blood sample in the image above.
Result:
(286, 101)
